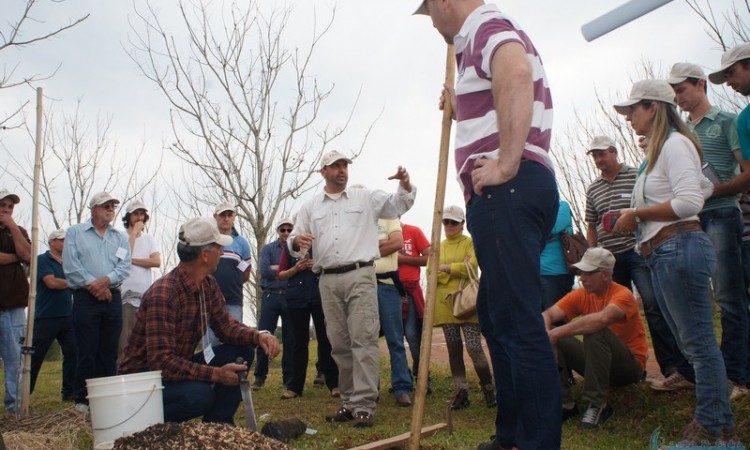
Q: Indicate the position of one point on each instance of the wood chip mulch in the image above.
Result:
(197, 436)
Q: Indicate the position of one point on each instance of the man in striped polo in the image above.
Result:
(503, 110)
(609, 193)
(721, 217)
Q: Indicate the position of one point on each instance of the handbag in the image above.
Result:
(465, 298)
(574, 246)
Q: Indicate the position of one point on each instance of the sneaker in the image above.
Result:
(461, 399)
(335, 392)
(287, 395)
(69, 397)
(319, 379)
(403, 400)
(569, 413)
(82, 408)
(363, 419)
(258, 383)
(695, 434)
(342, 415)
(490, 399)
(736, 390)
(595, 416)
(673, 382)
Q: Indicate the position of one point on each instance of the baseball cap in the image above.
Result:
(136, 204)
(601, 143)
(203, 231)
(285, 221)
(454, 212)
(225, 206)
(101, 198)
(596, 258)
(657, 90)
(4, 193)
(728, 59)
(331, 157)
(57, 234)
(422, 9)
(682, 71)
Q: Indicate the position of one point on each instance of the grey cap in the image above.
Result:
(656, 90)
(596, 258)
(454, 212)
(728, 59)
(4, 193)
(134, 205)
(331, 157)
(682, 71)
(101, 198)
(203, 231)
(601, 143)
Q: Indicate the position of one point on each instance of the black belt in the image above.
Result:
(346, 268)
(275, 291)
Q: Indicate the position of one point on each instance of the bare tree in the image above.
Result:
(245, 108)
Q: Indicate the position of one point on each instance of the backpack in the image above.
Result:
(574, 246)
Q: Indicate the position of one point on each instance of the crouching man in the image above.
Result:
(175, 313)
(613, 351)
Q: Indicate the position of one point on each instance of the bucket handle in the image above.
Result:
(153, 388)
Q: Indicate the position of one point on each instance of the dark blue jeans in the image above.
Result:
(185, 400)
(389, 310)
(97, 327)
(510, 224)
(45, 333)
(724, 227)
(272, 307)
(630, 268)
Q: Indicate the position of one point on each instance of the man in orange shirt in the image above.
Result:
(613, 351)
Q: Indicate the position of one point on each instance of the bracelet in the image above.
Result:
(263, 332)
(635, 213)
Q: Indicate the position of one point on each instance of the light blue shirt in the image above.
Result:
(87, 256)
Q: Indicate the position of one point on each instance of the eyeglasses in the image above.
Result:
(450, 222)
(285, 230)
(107, 206)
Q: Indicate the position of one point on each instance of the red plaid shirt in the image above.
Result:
(168, 328)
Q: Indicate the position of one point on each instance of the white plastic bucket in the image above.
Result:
(124, 404)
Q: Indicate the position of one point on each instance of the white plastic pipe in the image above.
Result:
(619, 16)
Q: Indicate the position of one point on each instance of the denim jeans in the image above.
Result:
(98, 325)
(510, 224)
(389, 310)
(12, 331)
(45, 333)
(680, 270)
(554, 287)
(413, 334)
(236, 312)
(273, 307)
(724, 227)
(185, 400)
(746, 269)
(630, 268)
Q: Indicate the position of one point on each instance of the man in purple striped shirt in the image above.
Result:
(504, 118)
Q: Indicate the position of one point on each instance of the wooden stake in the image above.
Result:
(433, 259)
(396, 441)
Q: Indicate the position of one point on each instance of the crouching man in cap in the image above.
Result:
(175, 313)
(613, 351)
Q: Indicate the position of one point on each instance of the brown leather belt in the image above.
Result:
(667, 232)
(346, 268)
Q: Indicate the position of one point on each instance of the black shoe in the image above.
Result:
(342, 415)
(363, 419)
(595, 416)
(258, 383)
(569, 413)
(461, 399)
(319, 380)
(492, 445)
(69, 397)
(489, 395)
(403, 400)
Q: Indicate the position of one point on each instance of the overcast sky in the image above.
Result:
(397, 61)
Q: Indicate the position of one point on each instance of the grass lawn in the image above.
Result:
(639, 411)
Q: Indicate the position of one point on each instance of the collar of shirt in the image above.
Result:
(461, 39)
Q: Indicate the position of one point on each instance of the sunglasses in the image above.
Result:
(107, 206)
(285, 230)
(450, 222)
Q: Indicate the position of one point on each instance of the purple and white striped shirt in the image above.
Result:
(483, 32)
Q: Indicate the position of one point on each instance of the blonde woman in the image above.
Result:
(455, 250)
(668, 195)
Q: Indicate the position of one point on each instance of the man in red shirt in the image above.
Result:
(613, 351)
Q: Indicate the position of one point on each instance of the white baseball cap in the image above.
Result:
(102, 198)
(454, 212)
(601, 143)
(331, 157)
(657, 90)
(57, 234)
(225, 206)
(596, 258)
(203, 231)
(728, 59)
(4, 193)
(134, 205)
(682, 71)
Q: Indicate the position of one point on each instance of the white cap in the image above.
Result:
(331, 157)
(682, 71)
(728, 59)
(285, 221)
(601, 143)
(4, 193)
(203, 231)
(656, 90)
(225, 206)
(596, 258)
(102, 198)
(57, 234)
(454, 212)
(136, 204)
